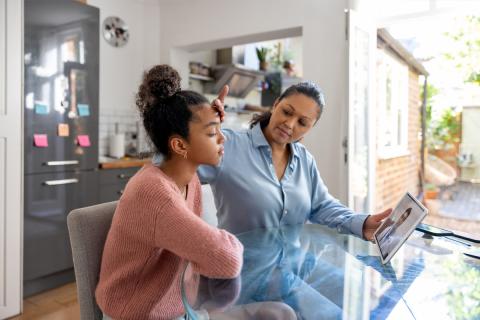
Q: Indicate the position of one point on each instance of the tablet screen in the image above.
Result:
(396, 229)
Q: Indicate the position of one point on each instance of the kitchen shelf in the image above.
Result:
(468, 165)
(200, 77)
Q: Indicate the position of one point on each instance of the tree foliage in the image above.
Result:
(465, 50)
(442, 130)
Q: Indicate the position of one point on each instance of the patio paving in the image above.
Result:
(461, 201)
(472, 227)
(458, 209)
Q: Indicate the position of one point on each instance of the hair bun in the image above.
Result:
(162, 81)
(158, 83)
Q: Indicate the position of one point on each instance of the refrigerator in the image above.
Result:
(61, 83)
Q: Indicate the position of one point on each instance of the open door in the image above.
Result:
(359, 145)
(359, 150)
(11, 158)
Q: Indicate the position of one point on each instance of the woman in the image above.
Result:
(268, 179)
(157, 228)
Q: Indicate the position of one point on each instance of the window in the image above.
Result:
(392, 106)
(72, 46)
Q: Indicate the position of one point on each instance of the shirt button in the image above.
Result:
(285, 211)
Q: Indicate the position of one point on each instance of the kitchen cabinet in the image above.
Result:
(47, 254)
(113, 181)
(60, 124)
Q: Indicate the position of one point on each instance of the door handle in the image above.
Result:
(60, 182)
(345, 148)
(62, 163)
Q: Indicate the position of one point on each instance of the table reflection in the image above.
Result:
(312, 272)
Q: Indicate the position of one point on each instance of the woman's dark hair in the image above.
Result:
(166, 110)
(308, 88)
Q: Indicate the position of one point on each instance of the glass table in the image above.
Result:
(312, 272)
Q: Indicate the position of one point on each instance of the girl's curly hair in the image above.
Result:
(165, 108)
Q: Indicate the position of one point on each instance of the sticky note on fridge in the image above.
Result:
(41, 108)
(83, 110)
(63, 130)
(83, 140)
(40, 140)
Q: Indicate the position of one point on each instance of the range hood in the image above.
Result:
(230, 69)
(240, 79)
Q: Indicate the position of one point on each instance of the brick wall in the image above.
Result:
(396, 175)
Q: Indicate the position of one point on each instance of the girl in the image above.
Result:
(157, 229)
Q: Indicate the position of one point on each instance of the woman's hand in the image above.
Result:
(218, 103)
(373, 222)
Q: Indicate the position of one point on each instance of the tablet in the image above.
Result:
(396, 229)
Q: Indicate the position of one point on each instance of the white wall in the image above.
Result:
(121, 68)
(209, 24)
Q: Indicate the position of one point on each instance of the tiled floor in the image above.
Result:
(56, 304)
(461, 201)
(457, 209)
(472, 227)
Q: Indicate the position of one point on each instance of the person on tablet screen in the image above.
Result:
(387, 236)
(391, 225)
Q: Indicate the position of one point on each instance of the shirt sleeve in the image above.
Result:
(213, 253)
(329, 211)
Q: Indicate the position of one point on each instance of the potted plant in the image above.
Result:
(262, 53)
(431, 191)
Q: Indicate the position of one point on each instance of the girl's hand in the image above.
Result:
(218, 103)
(373, 222)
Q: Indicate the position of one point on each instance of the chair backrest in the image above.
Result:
(208, 206)
(88, 228)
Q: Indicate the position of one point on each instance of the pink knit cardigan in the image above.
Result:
(154, 234)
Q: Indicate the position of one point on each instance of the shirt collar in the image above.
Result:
(259, 140)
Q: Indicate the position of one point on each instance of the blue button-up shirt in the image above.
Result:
(248, 194)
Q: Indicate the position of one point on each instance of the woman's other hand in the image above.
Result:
(373, 222)
(218, 103)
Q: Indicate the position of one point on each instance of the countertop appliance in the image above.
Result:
(230, 69)
(61, 65)
(240, 79)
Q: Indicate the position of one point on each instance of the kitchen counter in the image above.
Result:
(233, 120)
(126, 162)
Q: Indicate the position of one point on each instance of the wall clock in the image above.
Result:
(115, 31)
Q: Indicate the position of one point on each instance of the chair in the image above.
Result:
(88, 228)
(208, 206)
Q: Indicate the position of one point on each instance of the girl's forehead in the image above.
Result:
(206, 114)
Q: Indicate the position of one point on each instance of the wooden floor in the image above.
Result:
(57, 304)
